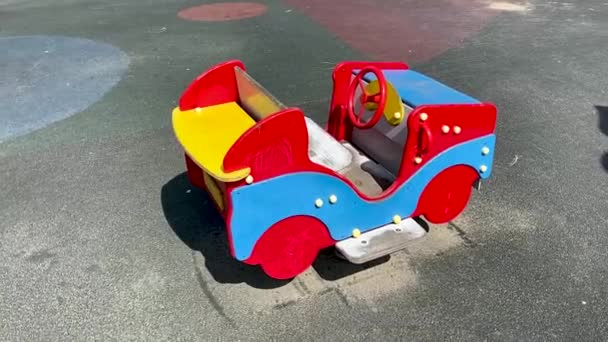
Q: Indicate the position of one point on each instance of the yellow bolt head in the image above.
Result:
(198, 109)
(483, 168)
(457, 129)
(333, 199)
(424, 116)
(356, 233)
(485, 150)
(445, 129)
(417, 160)
(397, 115)
(396, 219)
(249, 179)
(319, 203)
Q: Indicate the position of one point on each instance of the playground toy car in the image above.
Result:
(398, 145)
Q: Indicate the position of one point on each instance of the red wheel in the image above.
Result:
(290, 246)
(379, 98)
(447, 194)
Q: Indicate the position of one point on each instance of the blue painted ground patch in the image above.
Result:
(44, 79)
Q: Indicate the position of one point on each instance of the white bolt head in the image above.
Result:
(424, 116)
(445, 129)
(483, 168)
(417, 160)
(319, 203)
(333, 199)
(249, 179)
(397, 115)
(198, 109)
(457, 129)
(485, 150)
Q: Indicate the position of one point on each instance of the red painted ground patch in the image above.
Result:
(223, 11)
(406, 30)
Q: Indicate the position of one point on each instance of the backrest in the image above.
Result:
(255, 99)
(259, 103)
(383, 143)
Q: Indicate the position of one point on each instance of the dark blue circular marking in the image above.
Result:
(45, 79)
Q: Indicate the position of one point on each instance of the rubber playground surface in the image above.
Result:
(103, 238)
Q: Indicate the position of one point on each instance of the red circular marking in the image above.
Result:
(429, 31)
(223, 11)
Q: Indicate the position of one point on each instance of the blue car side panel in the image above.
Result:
(258, 206)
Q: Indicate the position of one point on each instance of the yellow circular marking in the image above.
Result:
(457, 129)
(445, 129)
(333, 199)
(417, 160)
(249, 179)
(424, 116)
(356, 233)
(483, 168)
(396, 219)
(485, 150)
(319, 203)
